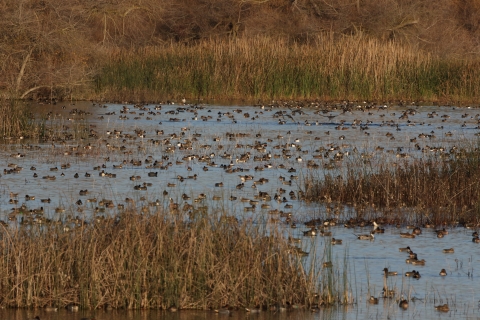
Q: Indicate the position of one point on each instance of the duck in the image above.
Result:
(418, 262)
(379, 230)
(388, 293)
(407, 249)
(443, 272)
(222, 311)
(51, 309)
(407, 235)
(410, 273)
(417, 231)
(441, 233)
(403, 304)
(444, 231)
(325, 233)
(389, 273)
(336, 241)
(72, 307)
(253, 310)
(373, 300)
(443, 308)
(450, 250)
(370, 236)
(476, 240)
(310, 233)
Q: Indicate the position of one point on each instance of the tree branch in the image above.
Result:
(22, 69)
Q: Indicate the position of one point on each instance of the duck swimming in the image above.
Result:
(370, 236)
(403, 304)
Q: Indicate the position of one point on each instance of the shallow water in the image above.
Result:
(286, 138)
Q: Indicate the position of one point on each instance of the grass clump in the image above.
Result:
(151, 261)
(440, 190)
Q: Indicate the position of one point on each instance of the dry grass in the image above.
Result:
(15, 120)
(352, 68)
(444, 189)
(151, 261)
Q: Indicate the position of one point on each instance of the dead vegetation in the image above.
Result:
(441, 190)
(53, 49)
(151, 261)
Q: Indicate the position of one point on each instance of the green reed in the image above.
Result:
(441, 188)
(346, 68)
(152, 260)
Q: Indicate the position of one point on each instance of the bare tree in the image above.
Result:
(42, 48)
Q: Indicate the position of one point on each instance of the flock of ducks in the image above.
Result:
(174, 147)
(412, 259)
(240, 152)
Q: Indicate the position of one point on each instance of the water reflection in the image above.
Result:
(388, 309)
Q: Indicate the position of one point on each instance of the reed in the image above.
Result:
(264, 68)
(436, 189)
(153, 260)
(16, 120)
(335, 286)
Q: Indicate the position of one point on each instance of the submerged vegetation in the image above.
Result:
(443, 190)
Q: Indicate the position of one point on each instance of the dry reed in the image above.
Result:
(15, 120)
(438, 189)
(326, 68)
(151, 261)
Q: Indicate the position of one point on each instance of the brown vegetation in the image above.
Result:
(439, 190)
(53, 48)
(147, 261)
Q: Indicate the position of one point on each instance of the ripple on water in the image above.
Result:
(198, 162)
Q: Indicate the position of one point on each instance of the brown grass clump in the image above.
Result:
(151, 261)
(437, 190)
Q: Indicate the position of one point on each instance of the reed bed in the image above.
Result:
(264, 68)
(16, 120)
(431, 190)
(152, 261)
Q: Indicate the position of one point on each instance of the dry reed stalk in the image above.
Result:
(346, 68)
(16, 120)
(441, 190)
(151, 261)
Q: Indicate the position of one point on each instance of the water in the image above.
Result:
(274, 146)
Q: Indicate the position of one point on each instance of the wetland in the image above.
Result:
(228, 207)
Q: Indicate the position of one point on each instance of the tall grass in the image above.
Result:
(151, 261)
(335, 286)
(440, 189)
(16, 120)
(326, 68)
